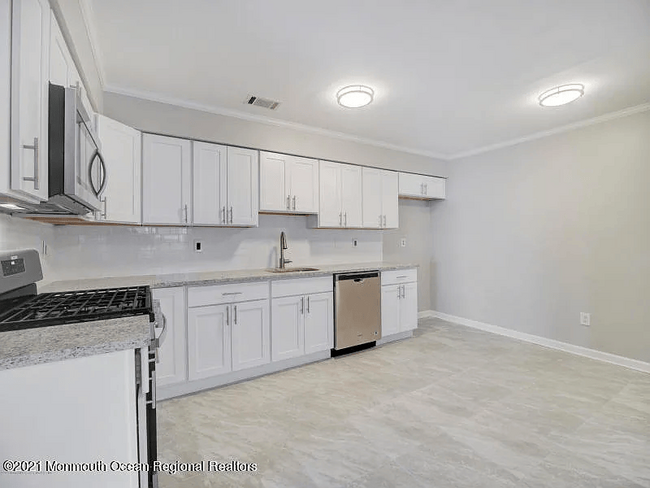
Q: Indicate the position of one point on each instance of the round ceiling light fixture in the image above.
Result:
(561, 95)
(355, 96)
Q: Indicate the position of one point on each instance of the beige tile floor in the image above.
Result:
(452, 407)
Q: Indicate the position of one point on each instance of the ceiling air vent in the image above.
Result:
(262, 102)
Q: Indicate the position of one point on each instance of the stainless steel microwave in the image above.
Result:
(77, 172)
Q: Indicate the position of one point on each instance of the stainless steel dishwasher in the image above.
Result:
(357, 309)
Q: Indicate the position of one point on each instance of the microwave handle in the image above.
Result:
(102, 187)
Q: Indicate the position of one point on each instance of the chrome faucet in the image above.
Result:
(283, 246)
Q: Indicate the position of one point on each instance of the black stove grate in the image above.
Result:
(77, 306)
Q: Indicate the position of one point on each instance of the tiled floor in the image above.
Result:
(452, 407)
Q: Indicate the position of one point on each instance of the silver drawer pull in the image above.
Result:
(35, 178)
(402, 276)
(232, 293)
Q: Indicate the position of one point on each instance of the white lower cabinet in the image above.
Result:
(208, 339)
(302, 323)
(225, 335)
(172, 368)
(250, 334)
(399, 301)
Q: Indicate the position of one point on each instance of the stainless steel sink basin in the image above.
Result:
(290, 270)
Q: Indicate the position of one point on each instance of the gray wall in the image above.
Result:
(168, 119)
(414, 226)
(534, 234)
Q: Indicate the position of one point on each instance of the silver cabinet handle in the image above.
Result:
(235, 314)
(105, 212)
(294, 202)
(399, 292)
(403, 291)
(302, 305)
(426, 188)
(346, 219)
(185, 211)
(227, 315)
(308, 311)
(288, 202)
(384, 221)
(421, 188)
(223, 215)
(231, 214)
(341, 219)
(35, 178)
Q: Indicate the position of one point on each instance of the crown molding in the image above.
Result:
(213, 109)
(91, 31)
(558, 130)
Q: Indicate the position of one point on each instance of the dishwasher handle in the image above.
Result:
(356, 277)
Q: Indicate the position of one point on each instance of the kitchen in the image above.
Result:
(208, 184)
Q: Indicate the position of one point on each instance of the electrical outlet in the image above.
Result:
(585, 319)
(355, 242)
(402, 242)
(198, 246)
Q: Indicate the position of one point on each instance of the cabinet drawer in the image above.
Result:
(199, 296)
(301, 286)
(399, 276)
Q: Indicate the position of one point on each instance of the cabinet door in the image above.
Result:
(329, 208)
(372, 198)
(302, 184)
(434, 187)
(351, 190)
(273, 195)
(173, 352)
(411, 185)
(208, 339)
(319, 322)
(390, 310)
(287, 328)
(121, 148)
(166, 171)
(243, 186)
(409, 307)
(251, 345)
(209, 195)
(389, 199)
(30, 59)
(60, 59)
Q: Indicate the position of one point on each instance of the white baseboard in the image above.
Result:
(543, 341)
(395, 337)
(426, 314)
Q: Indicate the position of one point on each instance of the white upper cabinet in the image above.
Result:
(166, 173)
(122, 151)
(329, 213)
(225, 191)
(242, 187)
(30, 57)
(421, 187)
(380, 205)
(340, 195)
(288, 183)
(210, 188)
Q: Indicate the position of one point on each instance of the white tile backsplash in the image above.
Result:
(94, 251)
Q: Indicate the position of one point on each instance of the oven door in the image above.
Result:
(85, 173)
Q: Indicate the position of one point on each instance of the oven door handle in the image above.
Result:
(160, 337)
(102, 187)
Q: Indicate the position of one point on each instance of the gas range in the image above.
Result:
(31, 311)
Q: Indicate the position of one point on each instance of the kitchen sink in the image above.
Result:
(290, 270)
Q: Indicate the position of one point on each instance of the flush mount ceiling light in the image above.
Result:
(355, 96)
(561, 95)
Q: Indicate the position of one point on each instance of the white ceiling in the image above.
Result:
(451, 77)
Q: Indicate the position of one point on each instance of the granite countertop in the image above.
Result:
(55, 343)
(201, 278)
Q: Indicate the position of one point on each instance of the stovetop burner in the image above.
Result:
(74, 306)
